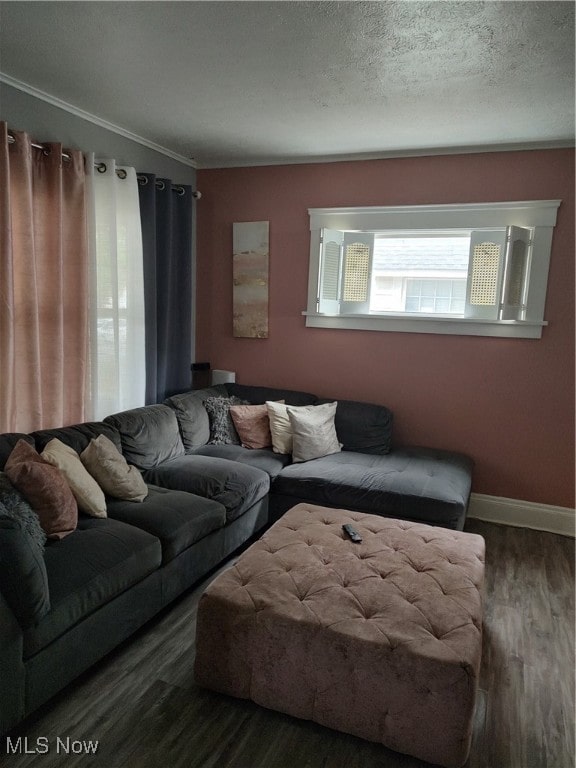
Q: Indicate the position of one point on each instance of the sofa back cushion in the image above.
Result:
(258, 395)
(23, 578)
(363, 427)
(149, 435)
(77, 436)
(192, 416)
(7, 442)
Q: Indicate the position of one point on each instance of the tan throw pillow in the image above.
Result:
(252, 424)
(45, 488)
(280, 427)
(112, 472)
(86, 490)
(313, 431)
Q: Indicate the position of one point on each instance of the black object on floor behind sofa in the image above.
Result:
(111, 575)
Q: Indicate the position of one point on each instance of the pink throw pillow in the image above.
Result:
(45, 488)
(252, 424)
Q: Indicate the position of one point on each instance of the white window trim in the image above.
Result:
(540, 215)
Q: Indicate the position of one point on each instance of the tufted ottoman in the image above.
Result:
(380, 639)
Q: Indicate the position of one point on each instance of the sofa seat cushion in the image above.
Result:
(177, 518)
(261, 458)
(412, 483)
(98, 561)
(236, 486)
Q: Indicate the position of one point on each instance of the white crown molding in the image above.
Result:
(216, 163)
(523, 514)
(60, 104)
(397, 154)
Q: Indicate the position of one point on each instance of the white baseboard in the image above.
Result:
(523, 514)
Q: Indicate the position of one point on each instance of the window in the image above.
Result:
(420, 272)
(435, 296)
(478, 269)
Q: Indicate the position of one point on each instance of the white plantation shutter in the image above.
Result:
(515, 277)
(485, 274)
(357, 272)
(330, 271)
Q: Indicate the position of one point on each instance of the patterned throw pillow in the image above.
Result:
(222, 429)
(15, 506)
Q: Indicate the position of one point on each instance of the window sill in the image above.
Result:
(460, 326)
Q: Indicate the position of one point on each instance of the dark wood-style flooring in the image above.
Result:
(143, 708)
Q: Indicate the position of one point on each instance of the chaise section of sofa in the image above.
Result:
(418, 484)
(370, 474)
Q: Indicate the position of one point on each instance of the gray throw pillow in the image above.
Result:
(15, 506)
(222, 429)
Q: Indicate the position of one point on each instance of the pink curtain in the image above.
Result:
(43, 286)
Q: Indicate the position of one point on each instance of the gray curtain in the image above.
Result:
(166, 213)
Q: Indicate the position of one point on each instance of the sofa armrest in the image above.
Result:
(12, 670)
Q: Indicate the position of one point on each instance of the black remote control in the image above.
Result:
(352, 532)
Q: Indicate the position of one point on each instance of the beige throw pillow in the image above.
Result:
(313, 431)
(112, 472)
(280, 427)
(86, 490)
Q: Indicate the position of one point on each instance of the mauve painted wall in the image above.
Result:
(507, 403)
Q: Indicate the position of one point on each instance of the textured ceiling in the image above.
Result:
(233, 83)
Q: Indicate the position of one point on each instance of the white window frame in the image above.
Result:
(537, 215)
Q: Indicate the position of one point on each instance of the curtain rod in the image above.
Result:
(120, 172)
(11, 140)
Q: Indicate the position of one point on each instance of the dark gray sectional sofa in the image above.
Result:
(111, 575)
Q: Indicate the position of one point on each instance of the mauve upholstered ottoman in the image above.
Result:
(380, 639)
